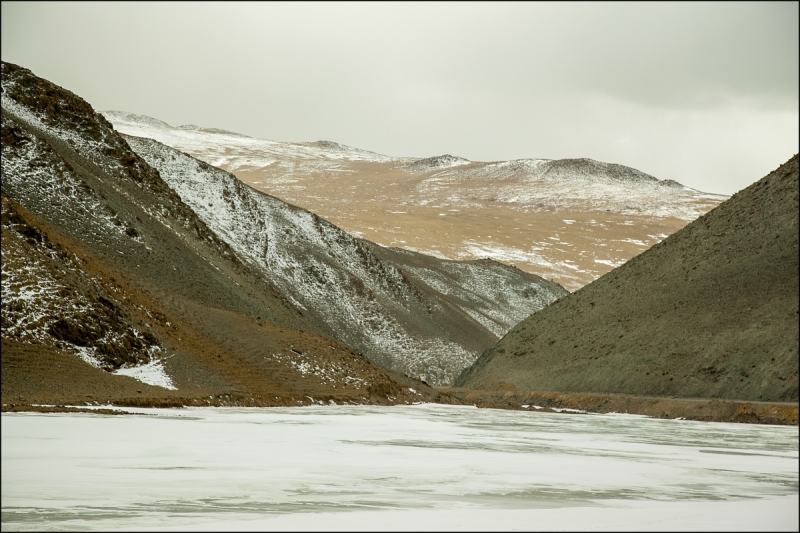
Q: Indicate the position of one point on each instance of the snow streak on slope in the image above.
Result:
(581, 185)
(436, 162)
(330, 275)
(493, 294)
(234, 151)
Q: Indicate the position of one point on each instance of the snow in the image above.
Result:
(493, 300)
(413, 467)
(236, 151)
(568, 186)
(613, 264)
(152, 373)
(634, 241)
(534, 255)
(436, 162)
(326, 372)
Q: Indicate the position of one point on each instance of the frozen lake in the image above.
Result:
(415, 467)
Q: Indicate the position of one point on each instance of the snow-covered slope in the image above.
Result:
(417, 315)
(569, 220)
(582, 185)
(238, 152)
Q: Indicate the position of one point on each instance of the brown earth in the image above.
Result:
(392, 207)
(780, 413)
(710, 312)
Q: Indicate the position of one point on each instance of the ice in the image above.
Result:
(415, 467)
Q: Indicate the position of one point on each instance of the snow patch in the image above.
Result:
(152, 373)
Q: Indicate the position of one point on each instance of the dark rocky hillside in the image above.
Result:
(108, 276)
(710, 312)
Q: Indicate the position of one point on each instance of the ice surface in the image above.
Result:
(415, 467)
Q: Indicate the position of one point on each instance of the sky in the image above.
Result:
(702, 93)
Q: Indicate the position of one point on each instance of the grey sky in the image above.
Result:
(702, 93)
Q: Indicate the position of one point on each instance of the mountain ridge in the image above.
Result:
(350, 306)
(567, 220)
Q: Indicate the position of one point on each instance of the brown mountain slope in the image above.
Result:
(710, 312)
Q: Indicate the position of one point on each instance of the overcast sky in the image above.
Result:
(705, 94)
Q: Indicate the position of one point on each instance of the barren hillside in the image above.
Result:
(418, 315)
(114, 290)
(710, 312)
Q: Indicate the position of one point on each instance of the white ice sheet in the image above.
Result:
(414, 467)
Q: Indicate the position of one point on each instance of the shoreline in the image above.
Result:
(701, 409)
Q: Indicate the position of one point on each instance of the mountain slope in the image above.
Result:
(417, 319)
(710, 312)
(569, 220)
(114, 289)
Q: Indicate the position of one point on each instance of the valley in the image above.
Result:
(138, 270)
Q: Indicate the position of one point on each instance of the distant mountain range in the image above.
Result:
(569, 220)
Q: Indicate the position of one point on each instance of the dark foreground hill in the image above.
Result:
(710, 312)
(114, 290)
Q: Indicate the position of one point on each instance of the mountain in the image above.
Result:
(121, 282)
(710, 312)
(414, 314)
(568, 220)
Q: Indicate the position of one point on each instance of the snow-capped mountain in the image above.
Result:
(569, 220)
